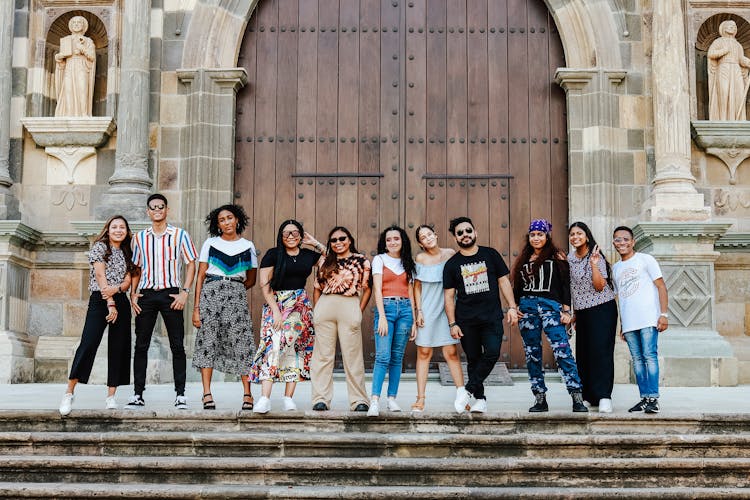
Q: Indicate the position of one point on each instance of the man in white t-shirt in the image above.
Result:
(643, 303)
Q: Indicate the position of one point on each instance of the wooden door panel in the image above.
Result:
(366, 113)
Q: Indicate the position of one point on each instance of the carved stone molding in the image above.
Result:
(727, 140)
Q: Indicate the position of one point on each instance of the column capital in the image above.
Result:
(227, 79)
(576, 79)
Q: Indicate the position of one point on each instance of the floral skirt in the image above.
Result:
(225, 339)
(284, 354)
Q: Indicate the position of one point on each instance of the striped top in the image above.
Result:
(158, 256)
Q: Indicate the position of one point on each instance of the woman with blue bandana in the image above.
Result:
(541, 284)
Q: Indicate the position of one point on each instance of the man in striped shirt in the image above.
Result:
(159, 252)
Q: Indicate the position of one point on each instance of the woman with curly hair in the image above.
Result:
(541, 285)
(341, 294)
(227, 269)
(286, 332)
(110, 270)
(393, 285)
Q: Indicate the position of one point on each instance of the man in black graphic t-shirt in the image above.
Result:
(473, 280)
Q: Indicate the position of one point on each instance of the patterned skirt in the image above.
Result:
(225, 339)
(284, 354)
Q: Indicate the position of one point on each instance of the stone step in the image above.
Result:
(413, 472)
(357, 444)
(220, 492)
(483, 424)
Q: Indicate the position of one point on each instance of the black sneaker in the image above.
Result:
(361, 407)
(639, 406)
(540, 404)
(320, 407)
(652, 406)
(136, 401)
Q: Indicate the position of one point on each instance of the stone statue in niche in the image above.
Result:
(75, 71)
(728, 75)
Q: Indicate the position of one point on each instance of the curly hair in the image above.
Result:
(212, 219)
(406, 258)
(125, 246)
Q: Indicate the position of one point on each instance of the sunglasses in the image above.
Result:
(461, 232)
(157, 207)
(290, 234)
(340, 239)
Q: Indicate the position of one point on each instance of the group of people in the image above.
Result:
(438, 298)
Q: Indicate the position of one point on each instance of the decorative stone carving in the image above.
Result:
(75, 71)
(728, 141)
(728, 75)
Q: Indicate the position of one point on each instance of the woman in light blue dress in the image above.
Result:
(431, 326)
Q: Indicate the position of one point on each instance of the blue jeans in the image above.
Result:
(643, 349)
(389, 349)
(544, 314)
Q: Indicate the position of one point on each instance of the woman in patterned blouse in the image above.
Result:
(341, 294)
(595, 316)
(110, 269)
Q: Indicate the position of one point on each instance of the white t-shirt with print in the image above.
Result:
(229, 258)
(639, 297)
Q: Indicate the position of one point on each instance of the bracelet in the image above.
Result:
(512, 308)
(451, 325)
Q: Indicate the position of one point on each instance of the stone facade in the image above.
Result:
(633, 85)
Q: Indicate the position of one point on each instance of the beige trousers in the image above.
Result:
(337, 316)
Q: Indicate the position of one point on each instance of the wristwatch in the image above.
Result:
(451, 325)
(186, 290)
(665, 315)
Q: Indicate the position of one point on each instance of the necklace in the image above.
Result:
(294, 257)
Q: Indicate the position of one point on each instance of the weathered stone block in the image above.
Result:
(730, 318)
(56, 284)
(168, 175)
(74, 316)
(51, 370)
(45, 319)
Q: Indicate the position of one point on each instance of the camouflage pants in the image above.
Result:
(544, 314)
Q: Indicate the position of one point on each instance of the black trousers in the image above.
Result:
(596, 329)
(118, 345)
(481, 344)
(153, 303)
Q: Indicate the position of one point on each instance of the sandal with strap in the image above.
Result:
(247, 405)
(418, 405)
(210, 404)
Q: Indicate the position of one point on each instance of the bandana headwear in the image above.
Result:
(540, 225)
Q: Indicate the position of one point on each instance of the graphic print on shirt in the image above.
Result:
(230, 264)
(475, 277)
(628, 282)
(544, 277)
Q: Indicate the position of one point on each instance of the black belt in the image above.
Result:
(214, 277)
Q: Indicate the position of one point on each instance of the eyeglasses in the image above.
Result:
(621, 240)
(290, 234)
(157, 207)
(461, 232)
(340, 239)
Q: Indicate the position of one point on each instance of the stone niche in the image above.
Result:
(729, 141)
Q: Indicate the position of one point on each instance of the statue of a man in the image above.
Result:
(728, 77)
(75, 71)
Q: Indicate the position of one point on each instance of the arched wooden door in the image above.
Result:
(365, 113)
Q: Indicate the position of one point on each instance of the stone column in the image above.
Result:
(674, 196)
(8, 204)
(131, 183)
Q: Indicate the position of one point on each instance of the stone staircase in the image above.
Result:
(222, 454)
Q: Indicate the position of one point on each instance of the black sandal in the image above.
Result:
(247, 405)
(209, 405)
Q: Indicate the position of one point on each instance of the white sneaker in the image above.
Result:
(66, 405)
(110, 403)
(462, 399)
(289, 404)
(605, 405)
(393, 405)
(480, 406)
(263, 405)
(374, 409)
(180, 402)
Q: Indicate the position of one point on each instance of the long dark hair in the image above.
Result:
(330, 264)
(125, 246)
(279, 270)
(591, 244)
(212, 219)
(549, 252)
(406, 258)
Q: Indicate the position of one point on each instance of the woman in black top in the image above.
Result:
(287, 329)
(541, 285)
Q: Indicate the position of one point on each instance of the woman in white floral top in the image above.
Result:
(110, 269)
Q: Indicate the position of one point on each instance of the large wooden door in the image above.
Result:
(365, 113)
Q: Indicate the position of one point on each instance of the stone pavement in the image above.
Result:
(517, 398)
